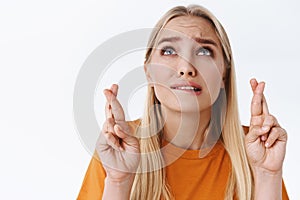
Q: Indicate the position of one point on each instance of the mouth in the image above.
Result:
(189, 87)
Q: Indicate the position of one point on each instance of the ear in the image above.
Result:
(225, 77)
(223, 81)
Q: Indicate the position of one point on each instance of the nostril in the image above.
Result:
(189, 73)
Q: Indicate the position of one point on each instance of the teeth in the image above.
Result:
(187, 88)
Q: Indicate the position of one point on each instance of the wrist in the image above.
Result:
(267, 184)
(262, 172)
(124, 181)
(117, 189)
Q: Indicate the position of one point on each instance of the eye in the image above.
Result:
(204, 52)
(168, 51)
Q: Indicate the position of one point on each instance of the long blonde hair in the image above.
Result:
(152, 184)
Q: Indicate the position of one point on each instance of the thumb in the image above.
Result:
(120, 132)
(129, 142)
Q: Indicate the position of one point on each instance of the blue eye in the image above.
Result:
(168, 51)
(204, 52)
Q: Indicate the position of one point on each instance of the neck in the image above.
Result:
(185, 129)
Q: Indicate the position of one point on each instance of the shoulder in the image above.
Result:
(134, 124)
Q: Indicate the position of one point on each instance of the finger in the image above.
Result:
(110, 123)
(256, 104)
(125, 136)
(116, 108)
(254, 133)
(107, 127)
(254, 84)
(264, 137)
(108, 113)
(112, 140)
(269, 122)
(120, 132)
(276, 134)
(257, 130)
(257, 120)
(108, 107)
(257, 100)
(109, 132)
(266, 123)
(114, 88)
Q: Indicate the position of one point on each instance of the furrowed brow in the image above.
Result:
(205, 41)
(197, 39)
(169, 39)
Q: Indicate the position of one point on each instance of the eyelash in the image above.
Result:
(166, 48)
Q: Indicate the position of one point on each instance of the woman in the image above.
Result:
(189, 143)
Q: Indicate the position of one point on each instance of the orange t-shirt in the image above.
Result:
(189, 176)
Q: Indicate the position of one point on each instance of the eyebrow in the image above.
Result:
(197, 39)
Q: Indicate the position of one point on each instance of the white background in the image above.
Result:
(44, 43)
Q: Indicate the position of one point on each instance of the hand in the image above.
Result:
(266, 140)
(118, 149)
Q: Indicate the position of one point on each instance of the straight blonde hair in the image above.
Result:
(152, 184)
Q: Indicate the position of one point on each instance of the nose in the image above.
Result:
(186, 69)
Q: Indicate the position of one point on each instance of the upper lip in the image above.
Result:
(189, 83)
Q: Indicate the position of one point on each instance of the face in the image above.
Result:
(187, 66)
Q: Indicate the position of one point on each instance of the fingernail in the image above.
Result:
(265, 128)
(119, 128)
(263, 138)
(267, 144)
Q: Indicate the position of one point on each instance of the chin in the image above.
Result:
(186, 107)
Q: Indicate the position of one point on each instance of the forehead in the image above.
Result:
(192, 27)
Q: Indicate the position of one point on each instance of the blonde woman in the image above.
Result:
(189, 144)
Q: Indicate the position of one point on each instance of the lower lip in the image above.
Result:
(197, 93)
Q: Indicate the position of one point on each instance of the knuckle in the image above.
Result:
(283, 130)
(110, 121)
(256, 120)
(269, 120)
(275, 131)
(255, 102)
(272, 118)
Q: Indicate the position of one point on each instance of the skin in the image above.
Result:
(184, 63)
(265, 143)
(265, 146)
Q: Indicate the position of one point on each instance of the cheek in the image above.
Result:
(160, 73)
(166, 97)
(212, 77)
(161, 77)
